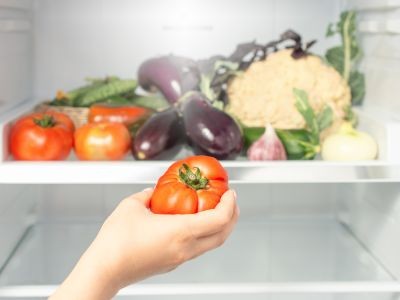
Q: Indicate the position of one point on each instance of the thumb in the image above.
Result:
(211, 221)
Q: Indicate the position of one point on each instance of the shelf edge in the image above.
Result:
(223, 289)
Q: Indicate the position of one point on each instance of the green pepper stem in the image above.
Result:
(192, 177)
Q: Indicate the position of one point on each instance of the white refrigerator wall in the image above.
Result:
(76, 39)
(46, 45)
(16, 53)
(379, 26)
(372, 213)
(18, 211)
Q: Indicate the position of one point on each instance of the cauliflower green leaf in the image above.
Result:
(345, 58)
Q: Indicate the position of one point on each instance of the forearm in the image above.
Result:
(90, 279)
(134, 244)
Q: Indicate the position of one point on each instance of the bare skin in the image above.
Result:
(134, 244)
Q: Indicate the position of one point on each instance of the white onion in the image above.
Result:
(349, 144)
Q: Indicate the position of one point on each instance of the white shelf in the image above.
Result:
(261, 257)
(384, 127)
(131, 172)
(374, 4)
(387, 26)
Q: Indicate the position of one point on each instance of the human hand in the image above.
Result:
(134, 244)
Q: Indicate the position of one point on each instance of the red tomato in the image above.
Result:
(102, 141)
(118, 114)
(41, 136)
(189, 186)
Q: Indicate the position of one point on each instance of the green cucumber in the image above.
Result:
(117, 101)
(106, 91)
(74, 94)
(72, 97)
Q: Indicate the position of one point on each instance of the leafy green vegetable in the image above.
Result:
(335, 58)
(305, 143)
(298, 143)
(345, 58)
(357, 85)
(305, 109)
(325, 118)
(351, 116)
(210, 83)
(205, 87)
(218, 105)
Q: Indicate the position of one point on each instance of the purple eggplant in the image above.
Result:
(161, 136)
(172, 75)
(210, 131)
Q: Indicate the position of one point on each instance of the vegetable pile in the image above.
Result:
(272, 101)
(192, 117)
(109, 90)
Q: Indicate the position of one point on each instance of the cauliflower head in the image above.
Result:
(264, 92)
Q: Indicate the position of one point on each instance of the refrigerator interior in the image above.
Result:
(312, 230)
(293, 241)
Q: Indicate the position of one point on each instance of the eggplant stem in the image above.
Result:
(192, 177)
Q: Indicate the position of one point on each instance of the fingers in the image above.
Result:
(205, 244)
(142, 197)
(214, 220)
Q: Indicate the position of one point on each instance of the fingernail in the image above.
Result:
(147, 189)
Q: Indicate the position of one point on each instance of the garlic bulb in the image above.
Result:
(349, 144)
(267, 147)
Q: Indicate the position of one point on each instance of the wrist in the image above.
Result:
(92, 278)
